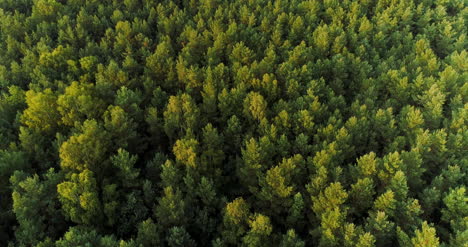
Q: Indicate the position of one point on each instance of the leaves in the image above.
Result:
(233, 123)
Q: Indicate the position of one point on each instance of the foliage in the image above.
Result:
(233, 123)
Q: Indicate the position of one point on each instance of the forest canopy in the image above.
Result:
(287, 123)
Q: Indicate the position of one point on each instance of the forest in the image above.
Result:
(255, 123)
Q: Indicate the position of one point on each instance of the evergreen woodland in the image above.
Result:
(289, 123)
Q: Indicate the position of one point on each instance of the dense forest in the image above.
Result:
(285, 123)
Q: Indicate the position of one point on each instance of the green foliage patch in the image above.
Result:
(233, 123)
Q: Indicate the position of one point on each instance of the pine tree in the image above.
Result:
(41, 114)
(80, 199)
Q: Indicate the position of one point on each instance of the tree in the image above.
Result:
(161, 65)
(255, 107)
(185, 151)
(180, 116)
(235, 220)
(36, 207)
(361, 195)
(120, 127)
(85, 150)
(41, 114)
(253, 157)
(425, 237)
(321, 39)
(79, 103)
(278, 184)
(11, 162)
(382, 228)
(290, 239)
(366, 240)
(212, 155)
(80, 199)
(148, 233)
(333, 196)
(241, 54)
(260, 230)
(456, 211)
(125, 163)
(328, 208)
(129, 100)
(170, 210)
(179, 237)
(433, 100)
(229, 102)
(84, 236)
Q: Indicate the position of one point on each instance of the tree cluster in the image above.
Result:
(254, 123)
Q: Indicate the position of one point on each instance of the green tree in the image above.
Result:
(41, 114)
(85, 150)
(260, 230)
(170, 210)
(125, 163)
(79, 103)
(290, 239)
(180, 116)
(36, 207)
(425, 237)
(185, 151)
(120, 127)
(212, 154)
(148, 233)
(235, 220)
(179, 237)
(84, 236)
(80, 198)
(255, 107)
(456, 211)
